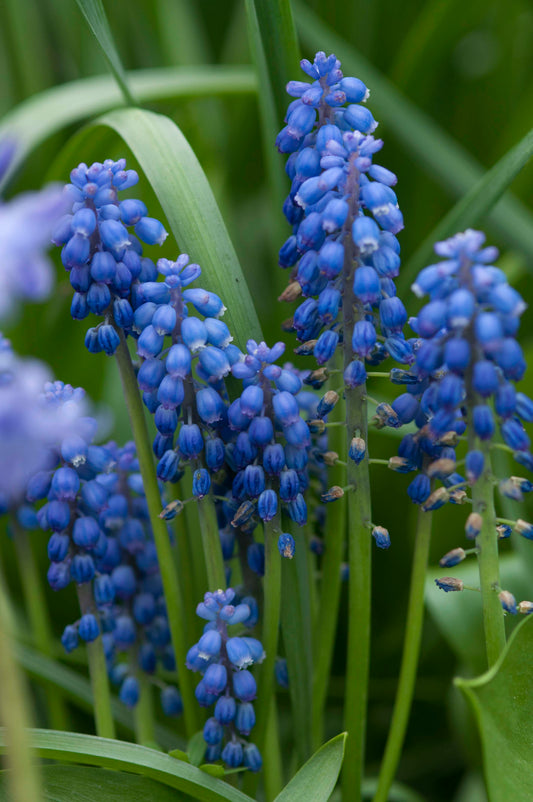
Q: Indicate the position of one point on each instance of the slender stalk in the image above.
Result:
(269, 639)
(330, 586)
(144, 715)
(192, 527)
(359, 540)
(183, 561)
(23, 776)
(103, 717)
(411, 652)
(488, 561)
(37, 612)
(273, 776)
(169, 575)
(216, 575)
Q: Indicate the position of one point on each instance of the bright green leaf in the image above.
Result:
(214, 769)
(473, 207)
(70, 747)
(82, 784)
(40, 116)
(503, 706)
(317, 778)
(187, 200)
(179, 754)
(94, 13)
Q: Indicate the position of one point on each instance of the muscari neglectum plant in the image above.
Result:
(249, 475)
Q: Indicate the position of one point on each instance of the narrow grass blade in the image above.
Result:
(70, 747)
(280, 45)
(473, 207)
(42, 115)
(94, 13)
(316, 780)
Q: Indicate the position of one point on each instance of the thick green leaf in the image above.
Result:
(474, 205)
(42, 115)
(187, 200)
(78, 690)
(82, 784)
(454, 168)
(196, 748)
(503, 706)
(458, 615)
(94, 13)
(70, 747)
(280, 45)
(317, 778)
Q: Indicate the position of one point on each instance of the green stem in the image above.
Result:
(273, 776)
(144, 715)
(359, 540)
(488, 561)
(411, 652)
(169, 575)
(216, 576)
(37, 611)
(103, 717)
(183, 558)
(269, 639)
(330, 586)
(23, 776)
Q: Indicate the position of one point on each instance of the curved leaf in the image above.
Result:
(187, 200)
(317, 778)
(502, 702)
(70, 747)
(94, 13)
(78, 689)
(42, 115)
(429, 144)
(82, 784)
(474, 205)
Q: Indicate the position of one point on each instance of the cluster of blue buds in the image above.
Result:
(101, 539)
(224, 662)
(103, 257)
(345, 216)
(467, 362)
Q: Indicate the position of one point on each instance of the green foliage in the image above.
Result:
(503, 707)
(82, 784)
(316, 779)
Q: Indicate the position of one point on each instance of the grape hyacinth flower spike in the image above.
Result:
(467, 364)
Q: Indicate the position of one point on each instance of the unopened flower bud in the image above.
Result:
(452, 558)
(329, 457)
(316, 426)
(288, 325)
(524, 528)
(243, 514)
(357, 449)
(449, 583)
(450, 438)
(458, 496)
(399, 464)
(441, 468)
(508, 602)
(524, 484)
(305, 349)
(317, 378)
(525, 607)
(381, 536)
(291, 292)
(326, 404)
(437, 499)
(171, 510)
(333, 494)
(510, 490)
(473, 525)
(503, 531)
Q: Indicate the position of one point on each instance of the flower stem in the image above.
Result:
(488, 561)
(330, 586)
(411, 651)
(359, 540)
(216, 576)
(37, 612)
(269, 639)
(144, 714)
(169, 575)
(23, 776)
(103, 717)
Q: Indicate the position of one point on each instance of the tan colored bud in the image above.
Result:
(291, 292)
(441, 467)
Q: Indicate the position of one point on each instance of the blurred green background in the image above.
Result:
(468, 67)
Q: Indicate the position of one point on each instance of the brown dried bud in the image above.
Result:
(291, 292)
